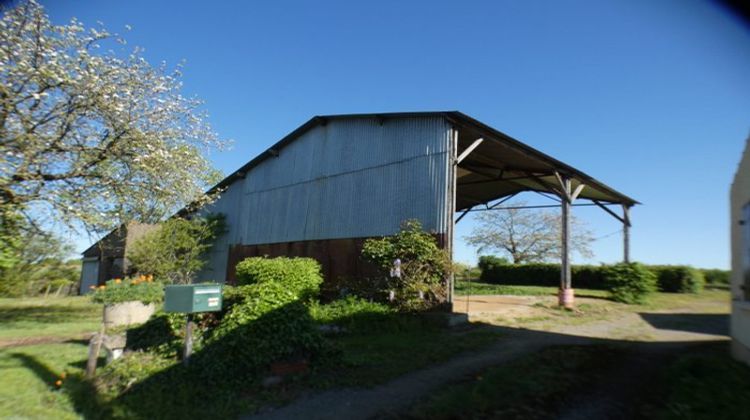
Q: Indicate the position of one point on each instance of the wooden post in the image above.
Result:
(188, 339)
(626, 233)
(94, 349)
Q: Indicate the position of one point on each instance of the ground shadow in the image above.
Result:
(196, 391)
(53, 314)
(715, 324)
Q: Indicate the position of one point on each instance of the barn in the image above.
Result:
(337, 180)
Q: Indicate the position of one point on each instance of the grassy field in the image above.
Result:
(51, 317)
(29, 372)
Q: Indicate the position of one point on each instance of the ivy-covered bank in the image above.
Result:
(273, 338)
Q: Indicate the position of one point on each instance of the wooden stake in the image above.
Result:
(94, 352)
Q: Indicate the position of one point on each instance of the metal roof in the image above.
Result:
(499, 167)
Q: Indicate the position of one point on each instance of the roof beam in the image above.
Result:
(622, 220)
(468, 150)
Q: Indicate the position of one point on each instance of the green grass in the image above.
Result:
(704, 384)
(476, 288)
(699, 383)
(51, 317)
(27, 382)
(532, 387)
(371, 359)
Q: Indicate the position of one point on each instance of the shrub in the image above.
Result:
(267, 321)
(424, 266)
(679, 278)
(248, 341)
(629, 283)
(143, 289)
(715, 276)
(300, 276)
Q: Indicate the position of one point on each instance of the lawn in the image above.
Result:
(29, 373)
(51, 317)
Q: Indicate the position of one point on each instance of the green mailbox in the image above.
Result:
(191, 298)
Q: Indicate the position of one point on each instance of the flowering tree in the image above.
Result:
(527, 236)
(93, 139)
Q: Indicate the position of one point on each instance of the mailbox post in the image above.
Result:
(190, 299)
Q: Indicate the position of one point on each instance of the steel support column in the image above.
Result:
(565, 245)
(625, 233)
(566, 295)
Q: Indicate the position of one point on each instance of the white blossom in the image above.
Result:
(94, 138)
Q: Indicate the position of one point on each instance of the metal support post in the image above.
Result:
(626, 233)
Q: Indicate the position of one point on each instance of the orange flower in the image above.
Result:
(102, 287)
(58, 383)
(62, 375)
(150, 277)
(118, 281)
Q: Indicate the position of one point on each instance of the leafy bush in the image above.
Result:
(300, 276)
(679, 278)
(248, 341)
(716, 277)
(176, 249)
(266, 320)
(142, 288)
(424, 266)
(356, 315)
(629, 283)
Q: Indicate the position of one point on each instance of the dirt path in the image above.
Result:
(399, 394)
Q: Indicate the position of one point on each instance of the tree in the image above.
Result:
(526, 235)
(93, 139)
(38, 264)
(175, 251)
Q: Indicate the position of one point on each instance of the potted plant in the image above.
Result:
(128, 301)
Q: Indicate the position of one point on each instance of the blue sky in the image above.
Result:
(653, 98)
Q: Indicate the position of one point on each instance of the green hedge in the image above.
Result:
(674, 279)
(299, 275)
(715, 276)
(678, 278)
(584, 276)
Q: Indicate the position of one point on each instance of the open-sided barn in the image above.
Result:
(337, 180)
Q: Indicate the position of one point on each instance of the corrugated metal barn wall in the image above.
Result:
(349, 178)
